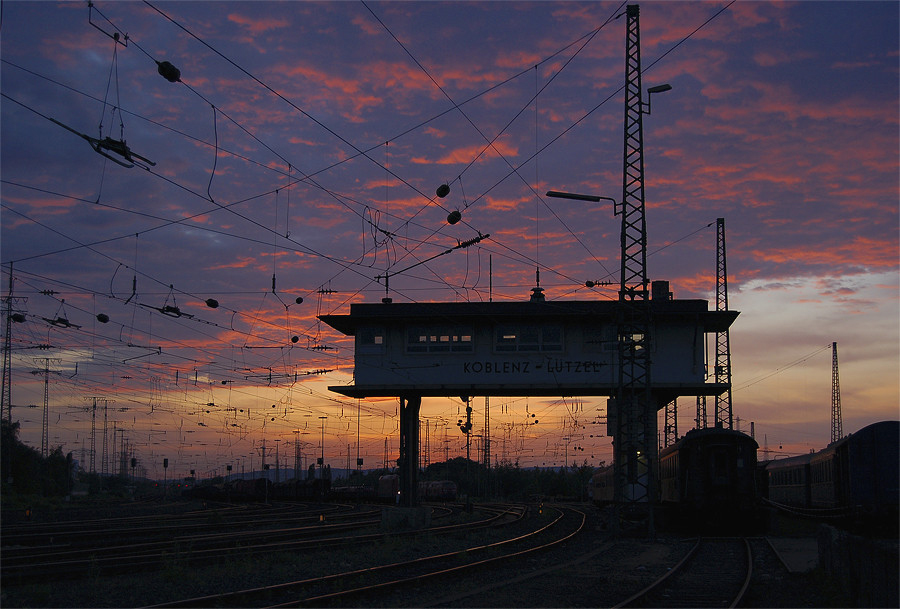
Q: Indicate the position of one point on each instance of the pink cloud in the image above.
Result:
(257, 26)
(469, 153)
(861, 250)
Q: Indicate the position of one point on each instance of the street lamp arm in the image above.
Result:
(578, 197)
(656, 89)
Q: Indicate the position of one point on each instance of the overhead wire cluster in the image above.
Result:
(294, 342)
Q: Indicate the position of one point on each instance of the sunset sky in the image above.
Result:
(296, 160)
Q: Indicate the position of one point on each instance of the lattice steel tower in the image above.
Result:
(635, 410)
(45, 417)
(724, 416)
(6, 389)
(837, 431)
(670, 430)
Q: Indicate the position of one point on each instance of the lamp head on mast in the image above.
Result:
(657, 89)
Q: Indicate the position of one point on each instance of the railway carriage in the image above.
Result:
(388, 488)
(788, 480)
(600, 488)
(708, 478)
(856, 477)
(438, 490)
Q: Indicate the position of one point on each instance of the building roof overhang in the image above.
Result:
(662, 393)
(662, 311)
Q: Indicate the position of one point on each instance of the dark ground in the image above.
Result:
(588, 571)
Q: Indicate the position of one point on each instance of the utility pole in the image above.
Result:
(724, 415)
(298, 456)
(837, 431)
(422, 458)
(487, 433)
(263, 454)
(425, 456)
(104, 455)
(93, 435)
(277, 466)
(700, 421)
(358, 458)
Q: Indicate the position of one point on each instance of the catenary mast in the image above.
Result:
(837, 431)
(724, 415)
(634, 449)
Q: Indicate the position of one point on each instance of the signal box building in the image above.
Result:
(536, 348)
(533, 348)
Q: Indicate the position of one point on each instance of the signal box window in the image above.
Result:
(439, 340)
(370, 340)
(528, 338)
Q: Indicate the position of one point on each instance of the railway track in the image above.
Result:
(100, 532)
(379, 585)
(467, 563)
(310, 530)
(715, 573)
(76, 550)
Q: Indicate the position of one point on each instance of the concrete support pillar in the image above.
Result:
(408, 463)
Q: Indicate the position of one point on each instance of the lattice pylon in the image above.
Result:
(635, 446)
(45, 418)
(837, 431)
(724, 414)
(670, 435)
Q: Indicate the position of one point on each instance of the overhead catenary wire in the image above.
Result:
(288, 101)
(209, 195)
(282, 157)
(653, 62)
(779, 370)
(304, 179)
(490, 142)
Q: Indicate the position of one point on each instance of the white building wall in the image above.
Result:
(510, 354)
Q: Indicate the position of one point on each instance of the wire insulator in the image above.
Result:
(168, 71)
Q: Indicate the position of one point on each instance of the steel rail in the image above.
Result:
(242, 597)
(679, 570)
(497, 513)
(446, 571)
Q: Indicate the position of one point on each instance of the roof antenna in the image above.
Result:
(537, 292)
